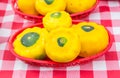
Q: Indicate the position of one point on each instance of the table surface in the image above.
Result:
(106, 13)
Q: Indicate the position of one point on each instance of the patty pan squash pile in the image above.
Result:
(62, 44)
(59, 40)
(42, 7)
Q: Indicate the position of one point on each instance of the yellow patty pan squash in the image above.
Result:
(31, 43)
(74, 6)
(56, 19)
(27, 7)
(94, 38)
(62, 45)
(45, 6)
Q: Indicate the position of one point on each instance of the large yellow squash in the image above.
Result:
(62, 45)
(74, 6)
(31, 43)
(94, 38)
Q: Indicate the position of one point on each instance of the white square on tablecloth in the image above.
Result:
(46, 68)
(46, 72)
(73, 68)
(94, 16)
(117, 46)
(73, 74)
(115, 15)
(20, 65)
(119, 64)
(9, 7)
(3, 46)
(5, 32)
(116, 30)
(9, 18)
(0, 64)
(99, 65)
(113, 3)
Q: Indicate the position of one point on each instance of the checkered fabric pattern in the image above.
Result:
(106, 66)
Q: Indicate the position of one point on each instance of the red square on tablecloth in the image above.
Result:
(106, 23)
(86, 74)
(5, 1)
(104, 9)
(114, 74)
(8, 55)
(59, 74)
(32, 74)
(16, 25)
(111, 56)
(6, 74)
(2, 12)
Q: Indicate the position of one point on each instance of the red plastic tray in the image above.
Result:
(38, 18)
(48, 62)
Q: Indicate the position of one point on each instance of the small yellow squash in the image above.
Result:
(56, 19)
(45, 6)
(27, 7)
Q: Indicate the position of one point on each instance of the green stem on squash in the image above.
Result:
(61, 41)
(87, 28)
(29, 39)
(56, 15)
(49, 1)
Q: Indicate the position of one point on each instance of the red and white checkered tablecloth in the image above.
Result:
(106, 66)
